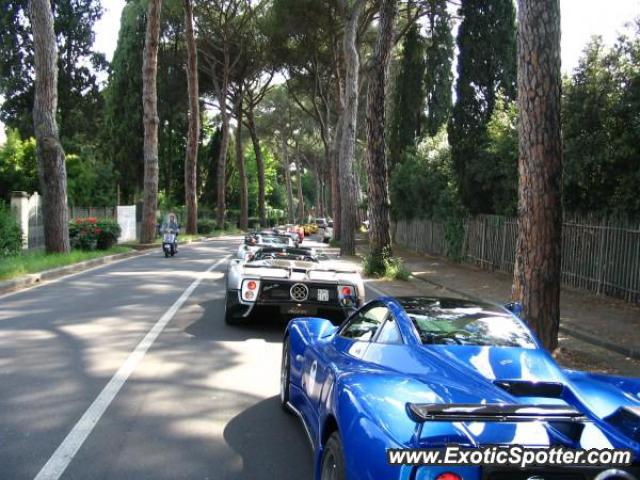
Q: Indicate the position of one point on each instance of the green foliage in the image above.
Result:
(206, 225)
(498, 177)
(93, 234)
(123, 129)
(90, 180)
(79, 99)
(601, 130)
(486, 66)
(108, 233)
(423, 187)
(438, 78)
(385, 266)
(406, 116)
(10, 233)
(18, 165)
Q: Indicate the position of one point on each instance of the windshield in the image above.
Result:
(458, 322)
(285, 254)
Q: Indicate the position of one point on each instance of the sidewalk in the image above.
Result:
(596, 332)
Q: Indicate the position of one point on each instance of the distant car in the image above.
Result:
(254, 242)
(287, 282)
(327, 233)
(321, 222)
(421, 372)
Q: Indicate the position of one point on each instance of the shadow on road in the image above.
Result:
(209, 325)
(272, 443)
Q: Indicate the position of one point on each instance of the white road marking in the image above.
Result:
(61, 458)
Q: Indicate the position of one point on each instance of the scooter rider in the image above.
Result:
(173, 225)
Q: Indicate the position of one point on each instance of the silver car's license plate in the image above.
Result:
(323, 295)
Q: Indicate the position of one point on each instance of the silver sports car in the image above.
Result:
(290, 282)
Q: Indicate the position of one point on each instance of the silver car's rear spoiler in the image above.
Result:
(496, 412)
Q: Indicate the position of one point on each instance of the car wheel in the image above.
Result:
(285, 374)
(229, 319)
(333, 459)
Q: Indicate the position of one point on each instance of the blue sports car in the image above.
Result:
(418, 373)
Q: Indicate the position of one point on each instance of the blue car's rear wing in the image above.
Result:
(496, 412)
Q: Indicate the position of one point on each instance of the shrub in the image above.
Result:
(385, 266)
(10, 233)
(91, 234)
(206, 226)
(82, 233)
(108, 231)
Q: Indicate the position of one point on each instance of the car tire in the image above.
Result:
(285, 374)
(332, 465)
(229, 319)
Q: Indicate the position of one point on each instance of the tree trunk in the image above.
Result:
(317, 173)
(377, 165)
(538, 255)
(193, 137)
(150, 106)
(299, 171)
(287, 178)
(262, 213)
(242, 171)
(335, 178)
(221, 206)
(348, 195)
(51, 166)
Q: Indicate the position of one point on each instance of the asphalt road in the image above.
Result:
(200, 404)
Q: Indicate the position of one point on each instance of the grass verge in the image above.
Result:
(33, 262)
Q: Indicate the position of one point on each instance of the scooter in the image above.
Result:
(169, 242)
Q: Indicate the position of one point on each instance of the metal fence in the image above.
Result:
(602, 256)
(97, 212)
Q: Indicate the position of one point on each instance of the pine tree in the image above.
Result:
(538, 265)
(406, 117)
(438, 78)
(486, 67)
(124, 131)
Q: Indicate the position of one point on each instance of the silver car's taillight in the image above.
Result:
(347, 295)
(250, 289)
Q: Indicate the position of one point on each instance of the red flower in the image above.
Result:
(98, 230)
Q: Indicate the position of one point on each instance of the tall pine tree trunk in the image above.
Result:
(193, 137)
(221, 177)
(287, 179)
(262, 213)
(51, 166)
(150, 107)
(242, 171)
(348, 194)
(377, 165)
(299, 170)
(335, 178)
(538, 254)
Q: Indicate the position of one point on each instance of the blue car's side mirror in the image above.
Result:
(515, 308)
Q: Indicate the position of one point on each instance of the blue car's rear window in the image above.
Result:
(460, 322)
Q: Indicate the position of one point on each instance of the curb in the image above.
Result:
(32, 279)
(573, 332)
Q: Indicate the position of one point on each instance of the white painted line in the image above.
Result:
(61, 458)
